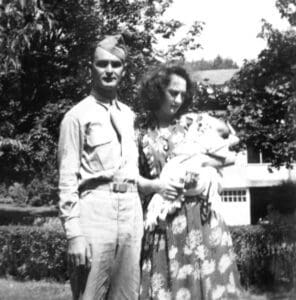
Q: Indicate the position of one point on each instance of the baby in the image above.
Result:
(206, 137)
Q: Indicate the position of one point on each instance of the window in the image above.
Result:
(253, 155)
(234, 196)
(256, 155)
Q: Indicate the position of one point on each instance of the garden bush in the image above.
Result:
(266, 254)
(32, 252)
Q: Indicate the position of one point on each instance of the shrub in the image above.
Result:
(32, 253)
(266, 255)
(49, 223)
(43, 191)
(4, 196)
(18, 193)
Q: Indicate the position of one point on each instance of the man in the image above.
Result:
(99, 203)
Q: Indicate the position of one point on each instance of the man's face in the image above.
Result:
(107, 70)
(174, 96)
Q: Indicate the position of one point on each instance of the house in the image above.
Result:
(246, 184)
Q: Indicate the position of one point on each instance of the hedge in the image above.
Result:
(266, 254)
(31, 252)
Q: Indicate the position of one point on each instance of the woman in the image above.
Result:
(190, 255)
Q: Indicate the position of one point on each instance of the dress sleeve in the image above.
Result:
(144, 169)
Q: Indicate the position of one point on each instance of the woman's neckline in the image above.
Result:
(167, 124)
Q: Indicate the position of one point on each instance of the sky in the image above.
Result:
(231, 26)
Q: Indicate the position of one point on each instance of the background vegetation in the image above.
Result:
(215, 64)
(45, 49)
(44, 69)
(266, 255)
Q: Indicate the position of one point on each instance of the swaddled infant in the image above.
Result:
(206, 137)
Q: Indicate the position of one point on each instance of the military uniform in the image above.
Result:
(96, 200)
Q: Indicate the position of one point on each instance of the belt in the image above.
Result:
(113, 186)
(122, 187)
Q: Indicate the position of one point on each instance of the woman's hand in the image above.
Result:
(169, 189)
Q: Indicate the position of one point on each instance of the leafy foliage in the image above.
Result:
(35, 88)
(261, 98)
(265, 255)
(18, 193)
(287, 8)
(22, 22)
(32, 253)
(46, 49)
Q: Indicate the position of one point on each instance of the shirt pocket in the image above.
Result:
(99, 141)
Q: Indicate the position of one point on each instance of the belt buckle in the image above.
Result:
(119, 187)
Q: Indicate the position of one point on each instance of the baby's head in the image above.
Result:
(221, 127)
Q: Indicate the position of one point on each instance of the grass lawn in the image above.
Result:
(45, 290)
(33, 290)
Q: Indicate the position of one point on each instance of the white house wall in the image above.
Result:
(243, 176)
(247, 175)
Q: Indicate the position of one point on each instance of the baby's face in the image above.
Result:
(222, 129)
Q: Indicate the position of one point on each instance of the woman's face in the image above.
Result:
(174, 97)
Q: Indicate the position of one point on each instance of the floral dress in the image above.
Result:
(190, 255)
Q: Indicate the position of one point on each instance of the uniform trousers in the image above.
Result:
(112, 223)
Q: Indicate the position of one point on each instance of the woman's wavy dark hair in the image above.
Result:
(152, 92)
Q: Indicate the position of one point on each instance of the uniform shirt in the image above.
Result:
(90, 148)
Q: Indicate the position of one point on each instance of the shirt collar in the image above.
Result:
(103, 103)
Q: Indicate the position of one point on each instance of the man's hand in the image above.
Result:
(79, 252)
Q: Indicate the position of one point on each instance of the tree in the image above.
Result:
(261, 98)
(39, 74)
(287, 9)
(264, 105)
(216, 64)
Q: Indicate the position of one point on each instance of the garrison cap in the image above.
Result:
(115, 45)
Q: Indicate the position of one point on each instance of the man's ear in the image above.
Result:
(90, 68)
(124, 69)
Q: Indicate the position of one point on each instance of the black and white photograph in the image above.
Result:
(147, 150)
